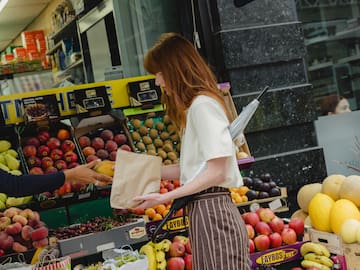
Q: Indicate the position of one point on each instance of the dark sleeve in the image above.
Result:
(29, 184)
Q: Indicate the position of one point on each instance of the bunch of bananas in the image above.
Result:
(315, 255)
(156, 254)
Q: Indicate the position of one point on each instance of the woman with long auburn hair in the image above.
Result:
(218, 235)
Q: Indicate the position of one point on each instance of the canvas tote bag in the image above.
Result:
(134, 174)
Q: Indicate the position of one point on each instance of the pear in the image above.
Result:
(2, 205)
(3, 197)
(27, 199)
(12, 162)
(15, 172)
(12, 152)
(2, 159)
(4, 145)
(4, 167)
(12, 201)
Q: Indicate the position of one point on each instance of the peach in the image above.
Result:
(28, 213)
(112, 156)
(88, 150)
(17, 247)
(35, 223)
(107, 134)
(63, 134)
(111, 146)
(125, 147)
(14, 228)
(84, 141)
(21, 219)
(26, 232)
(4, 222)
(7, 242)
(97, 143)
(91, 158)
(40, 243)
(39, 233)
(12, 211)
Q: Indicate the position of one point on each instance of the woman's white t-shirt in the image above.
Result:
(206, 137)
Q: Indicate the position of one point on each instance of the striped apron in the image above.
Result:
(218, 235)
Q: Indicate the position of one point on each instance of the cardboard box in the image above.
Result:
(276, 256)
(352, 256)
(93, 243)
(173, 225)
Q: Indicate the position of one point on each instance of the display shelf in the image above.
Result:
(349, 59)
(68, 68)
(320, 66)
(63, 29)
(344, 34)
(316, 40)
(57, 46)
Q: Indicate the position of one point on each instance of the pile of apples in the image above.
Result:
(266, 230)
(47, 153)
(103, 144)
(21, 230)
(179, 256)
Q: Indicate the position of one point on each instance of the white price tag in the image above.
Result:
(105, 246)
(275, 204)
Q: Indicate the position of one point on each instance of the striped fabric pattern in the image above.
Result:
(218, 235)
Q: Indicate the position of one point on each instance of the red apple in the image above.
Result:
(53, 143)
(250, 231)
(32, 141)
(43, 136)
(262, 228)
(125, 147)
(34, 161)
(188, 261)
(297, 225)
(262, 242)
(29, 150)
(180, 238)
(276, 224)
(266, 214)
(43, 151)
(70, 157)
(299, 268)
(251, 246)
(251, 218)
(56, 154)
(77, 187)
(50, 170)
(188, 246)
(288, 236)
(275, 240)
(177, 249)
(36, 170)
(46, 162)
(73, 165)
(60, 165)
(68, 145)
(176, 263)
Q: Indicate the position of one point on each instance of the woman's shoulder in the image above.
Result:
(203, 99)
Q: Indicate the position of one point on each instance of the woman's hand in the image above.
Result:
(149, 200)
(85, 174)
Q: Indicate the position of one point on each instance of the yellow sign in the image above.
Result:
(176, 224)
(117, 91)
(276, 256)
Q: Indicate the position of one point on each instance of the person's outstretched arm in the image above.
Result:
(29, 184)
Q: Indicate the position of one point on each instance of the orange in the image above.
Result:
(242, 190)
(164, 213)
(150, 212)
(63, 134)
(160, 208)
(157, 217)
(244, 198)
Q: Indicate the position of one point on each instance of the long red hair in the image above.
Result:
(186, 75)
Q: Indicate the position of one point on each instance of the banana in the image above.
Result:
(319, 259)
(162, 265)
(314, 248)
(149, 251)
(160, 256)
(308, 264)
(164, 245)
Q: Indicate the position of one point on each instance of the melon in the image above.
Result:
(299, 214)
(358, 235)
(306, 193)
(307, 221)
(319, 211)
(349, 231)
(331, 185)
(341, 211)
(350, 189)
